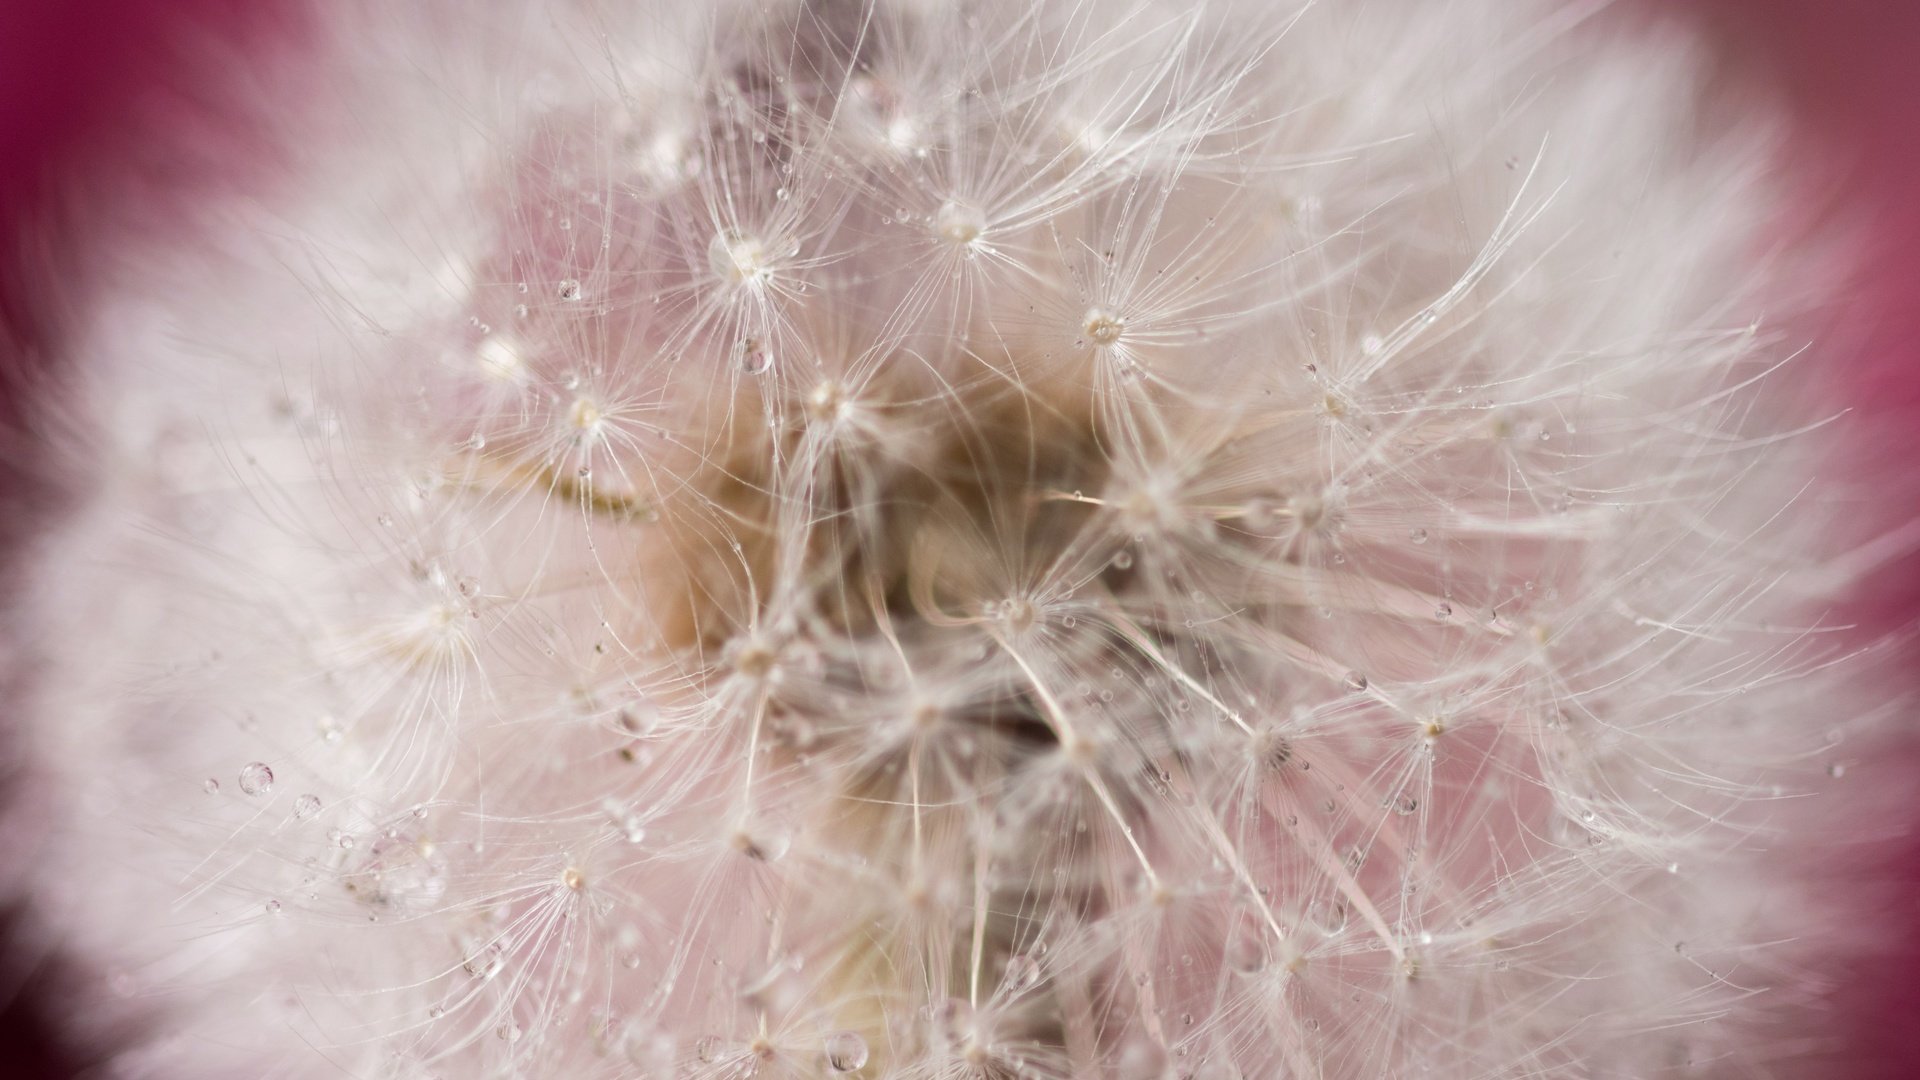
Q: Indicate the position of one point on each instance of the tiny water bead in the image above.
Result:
(306, 806)
(499, 358)
(273, 907)
(211, 786)
(846, 1051)
(1246, 949)
(738, 258)
(1103, 328)
(959, 223)
(569, 289)
(755, 358)
(256, 778)
(1022, 972)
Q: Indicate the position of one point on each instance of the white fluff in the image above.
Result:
(920, 539)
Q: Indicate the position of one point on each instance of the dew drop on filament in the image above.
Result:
(846, 1051)
(1022, 972)
(256, 778)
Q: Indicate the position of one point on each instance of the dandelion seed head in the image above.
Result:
(1249, 585)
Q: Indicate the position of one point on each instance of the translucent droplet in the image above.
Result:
(256, 778)
(846, 1051)
(737, 258)
(1123, 560)
(707, 1049)
(1836, 770)
(1247, 948)
(486, 964)
(569, 289)
(765, 845)
(651, 1050)
(1022, 971)
(952, 1019)
(1103, 328)
(499, 358)
(273, 907)
(1330, 915)
(1418, 536)
(211, 787)
(959, 223)
(1356, 681)
(755, 357)
(1216, 1067)
(1143, 1059)
(306, 806)
(1405, 804)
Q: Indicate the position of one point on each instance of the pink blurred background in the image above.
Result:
(84, 82)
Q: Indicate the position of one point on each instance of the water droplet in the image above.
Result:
(846, 1051)
(1022, 971)
(306, 806)
(651, 1050)
(1247, 948)
(762, 846)
(273, 907)
(211, 787)
(1405, 804)
(959, 223)
(1356, 681)
(738, 258)
(1123, 560)
(755, 356)
(707, 1049)
(1836, 770)
(1103, 328)
(256, 778)
(951, 1020)
(1443, 610)
(1216, 1067)
(485, 964)
(1330, 915)
(1143, 1059)
(569, 289)
(1417, 535)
